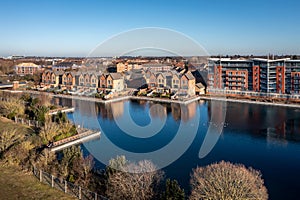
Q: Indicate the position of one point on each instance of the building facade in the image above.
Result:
(258, 75)
(26, 68)
(91, 81)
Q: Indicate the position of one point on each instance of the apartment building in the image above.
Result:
(292, 76)
(157, 67)
(258, 75)
(125, 67)
(230, 74)
(26, 68)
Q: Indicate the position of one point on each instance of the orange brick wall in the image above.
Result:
(280, 79)
(255, 78)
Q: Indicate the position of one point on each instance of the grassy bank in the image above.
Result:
(15, 184)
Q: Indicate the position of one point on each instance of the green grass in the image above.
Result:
(15, 184)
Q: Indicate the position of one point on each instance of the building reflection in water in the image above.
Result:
(117, 108)
(275, 123)
(107, 111)
(158, 110)
(178, 111)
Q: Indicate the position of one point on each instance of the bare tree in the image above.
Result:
(227, 181)
(9, 138)
(69, 155)
(49, 130)
(45, 158)
(12, 108)
(134, 181)
(19, 153)
(83, 167)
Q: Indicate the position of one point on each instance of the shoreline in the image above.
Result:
(93, 99)
(161, 100)
(249, 102)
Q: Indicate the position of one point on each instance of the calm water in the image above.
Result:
(264, 137)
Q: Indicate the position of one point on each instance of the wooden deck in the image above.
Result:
(82, 136)
(62, 110)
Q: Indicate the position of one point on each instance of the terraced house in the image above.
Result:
(182, 84)
(89, 80)
(51, 79)
(68, 80)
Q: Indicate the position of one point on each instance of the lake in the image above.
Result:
(266, 138)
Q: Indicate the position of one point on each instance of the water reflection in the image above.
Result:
(264, 137)
(278, 123)
(178, 111)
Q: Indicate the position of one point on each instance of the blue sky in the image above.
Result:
(74, 28)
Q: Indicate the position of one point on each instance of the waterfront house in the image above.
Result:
(152, 81)
(50, 79)
(115, 82)
(94, 83)
(160, 82)
(46, 76)
(199, 88)
(111, 82)
(68, 80)
(80, 80)
(175, 85)
(55, 77)
(86, 80)
(187, 85)
(102, 82)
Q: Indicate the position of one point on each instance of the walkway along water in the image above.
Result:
(62, 110)
(84, 135)
(184, 101)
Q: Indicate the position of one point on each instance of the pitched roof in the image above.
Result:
(116, 76)
(189, 76)
(58, 73)
(27, 65)
(200, 85)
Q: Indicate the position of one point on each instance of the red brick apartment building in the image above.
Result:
(26, 68)
(280, 76)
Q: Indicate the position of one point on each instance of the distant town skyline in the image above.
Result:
(64, 28)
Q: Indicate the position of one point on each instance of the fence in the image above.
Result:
(66, 187)
(27, 122)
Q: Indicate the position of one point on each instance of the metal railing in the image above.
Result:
(27, 122)
(66, 187)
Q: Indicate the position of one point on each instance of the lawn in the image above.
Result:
(15, 183)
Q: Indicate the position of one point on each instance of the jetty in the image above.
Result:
(83, 135)
(62, 110)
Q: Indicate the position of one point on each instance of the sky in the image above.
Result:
(75, 28)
